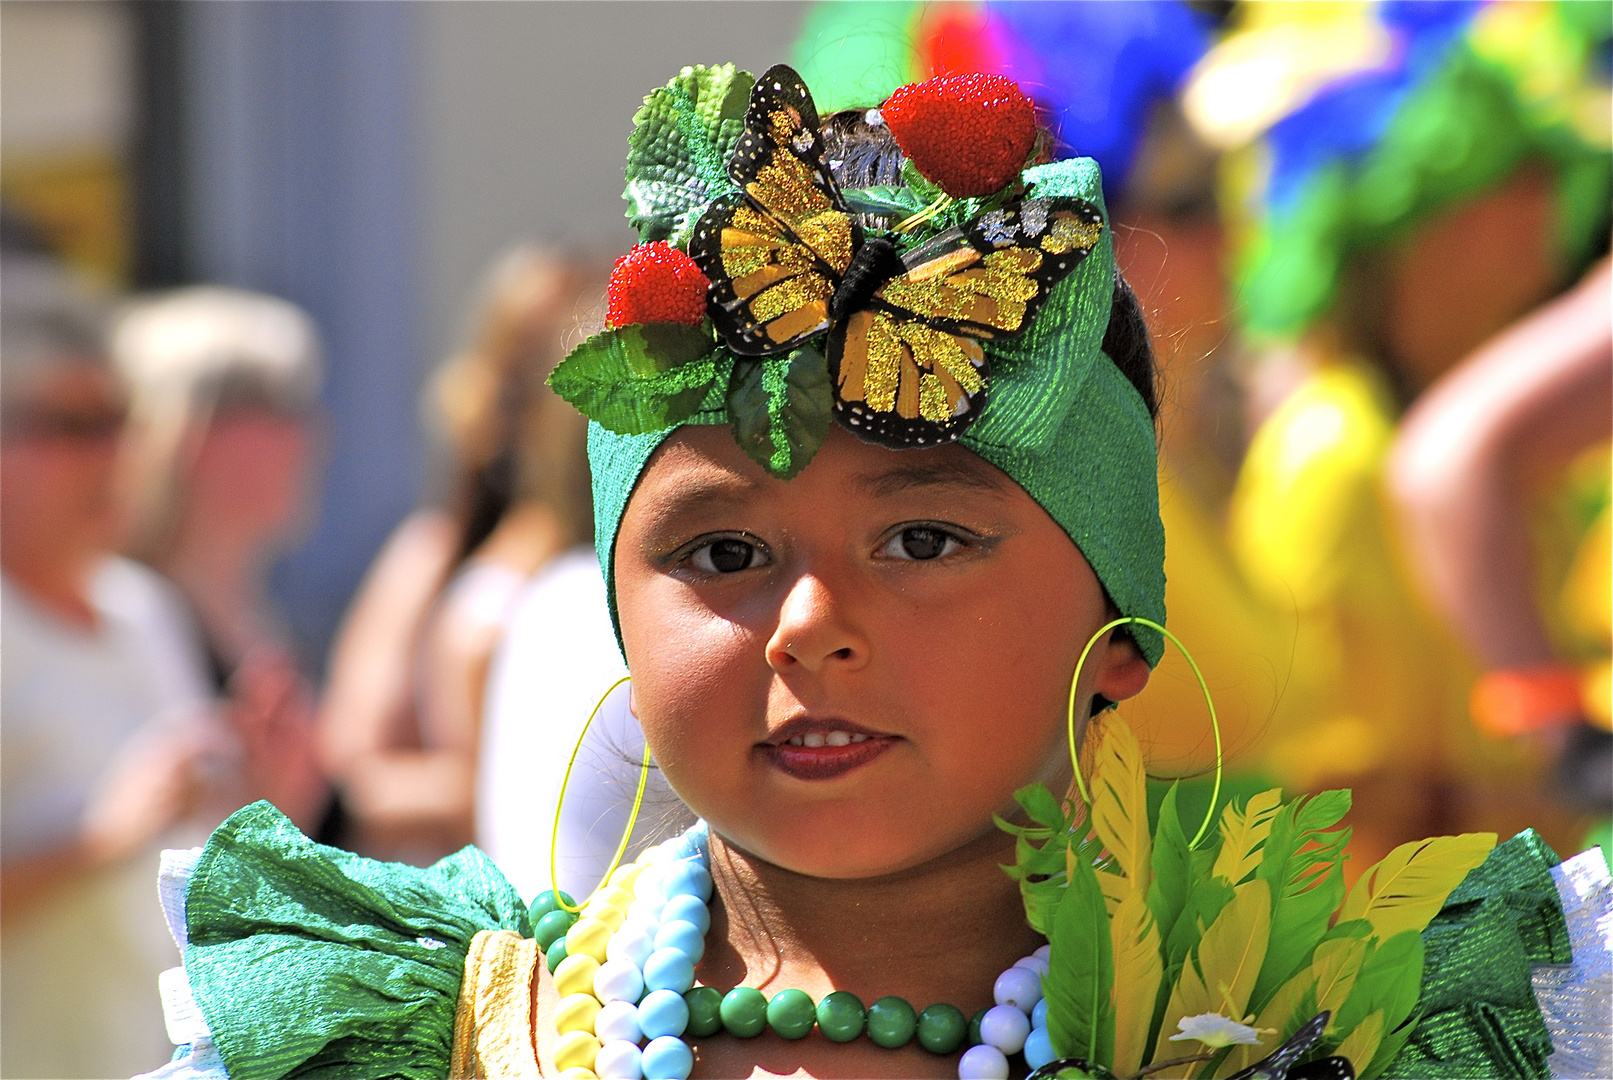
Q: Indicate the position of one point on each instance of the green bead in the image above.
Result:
(705, 1011)
(942, 1028)
(974, 1028)
(791, 1014)
(545, 902)
(552, 927)
(554, 954)
(744, 1012)
(891, 1022)
(841, 1016)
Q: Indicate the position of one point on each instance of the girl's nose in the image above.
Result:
(814, 631)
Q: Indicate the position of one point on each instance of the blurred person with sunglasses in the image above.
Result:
(107, 738)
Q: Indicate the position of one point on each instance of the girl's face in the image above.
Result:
(848, 673)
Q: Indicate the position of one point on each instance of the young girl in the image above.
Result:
(874, 473)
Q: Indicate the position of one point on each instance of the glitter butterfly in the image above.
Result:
(788, 261)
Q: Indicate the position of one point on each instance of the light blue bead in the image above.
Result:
(687, 846)
(686, 878)
(667, 1058)
(683, 936)
(1039, 1014)
(1038, 1049)
(690, 909)
(668, 969)
(662, 1012)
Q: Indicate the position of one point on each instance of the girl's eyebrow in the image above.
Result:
(958, 471)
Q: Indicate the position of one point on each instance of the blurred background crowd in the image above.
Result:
(287, 510)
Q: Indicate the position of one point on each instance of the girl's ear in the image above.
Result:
(1122, 671)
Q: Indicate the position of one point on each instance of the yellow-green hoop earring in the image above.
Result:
(632, 819)
(1215, 725)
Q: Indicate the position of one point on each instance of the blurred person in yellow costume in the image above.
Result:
(1402, 181)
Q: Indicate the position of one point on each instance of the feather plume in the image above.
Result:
(1289, 1007)
(1362, 1043)
(1243, 833)
(1221, 973)
(1406, 889)
(1080, 1014)
(1336, 964)
(1120, 801)
(1138, 971)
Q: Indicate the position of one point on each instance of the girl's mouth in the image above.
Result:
(810, 749)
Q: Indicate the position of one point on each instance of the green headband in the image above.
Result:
(1060, 419)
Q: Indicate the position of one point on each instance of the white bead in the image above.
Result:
(983, 1062)
(1005, 1027)
(618, 980)
(1032, 963)
(1043, 953)
(634, 943)
(619, 1060)
(618, 1020)
(645, 910)
(647, 886)
(1019, 987)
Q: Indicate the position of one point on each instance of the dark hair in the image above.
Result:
(861, 154)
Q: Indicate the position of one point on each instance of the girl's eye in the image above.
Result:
(920, 542)
(727, 556)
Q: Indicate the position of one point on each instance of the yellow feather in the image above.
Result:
(1220, 975)
(1281, 1015)
(1115, 889)
(1120, 801)
(1362, 1043)
(1138, 971)
(1406, 889)
(1243, 833)
(1336, 963)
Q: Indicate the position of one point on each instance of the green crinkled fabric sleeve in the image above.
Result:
(311, 961)
(1480, 1018)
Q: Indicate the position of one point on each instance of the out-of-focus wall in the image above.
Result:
(526, 109)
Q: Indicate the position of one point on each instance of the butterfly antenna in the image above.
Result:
(924, 215)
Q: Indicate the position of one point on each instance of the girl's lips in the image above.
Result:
(824, 762)
(810, 749)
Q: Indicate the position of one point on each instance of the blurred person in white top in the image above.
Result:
(107, 735)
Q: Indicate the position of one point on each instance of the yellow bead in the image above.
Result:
(588, 936)
(576, 1013)
(614, 895)
(578, 1074)
(575, 975)
(624, 877)
(612, 917)
(575, 1050)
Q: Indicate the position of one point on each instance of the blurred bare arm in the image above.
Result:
(1517, 410)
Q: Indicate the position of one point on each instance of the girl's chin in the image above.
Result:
(846, 848)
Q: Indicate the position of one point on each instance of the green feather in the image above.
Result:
(1080, 1014)
(1304, 865)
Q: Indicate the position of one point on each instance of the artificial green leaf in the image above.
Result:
(640, 378)
(922, 186)
(678, 153)
(780, 408)
(1080, 1014)
(1304, 865)
(884, 200)
(1041, 806)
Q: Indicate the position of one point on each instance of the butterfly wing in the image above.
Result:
(1328, 1068)
(908, 368)
(1278, 1065)
(775, 251)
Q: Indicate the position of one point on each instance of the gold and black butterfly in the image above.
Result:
(787, 261)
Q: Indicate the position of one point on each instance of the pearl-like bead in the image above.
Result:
(667, 1058)
(662, 1012)
(668, 969)
(1032, 963)
(1019, 987)
(1039, 1014)
(618, 1020)
(618, 980)
(690, 909)
(624, 876)
(576, 1050)
(1005, 1027)
(645, 911)
(1043, 953)
(983, 1062)
(1038, 1048)
(633, 942)
(619, 1060)
(687, 878)
(683, 936)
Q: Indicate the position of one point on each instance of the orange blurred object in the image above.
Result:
(1506, 703)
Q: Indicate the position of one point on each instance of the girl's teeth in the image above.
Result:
(795, 740)
(812, 740)
(859, 737)
(838, 738)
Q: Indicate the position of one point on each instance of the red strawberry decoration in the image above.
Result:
(656, 282)
(970, 134)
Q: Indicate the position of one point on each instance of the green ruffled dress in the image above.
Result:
(304, 960)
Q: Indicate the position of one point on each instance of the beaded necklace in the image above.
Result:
(629, 1003)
